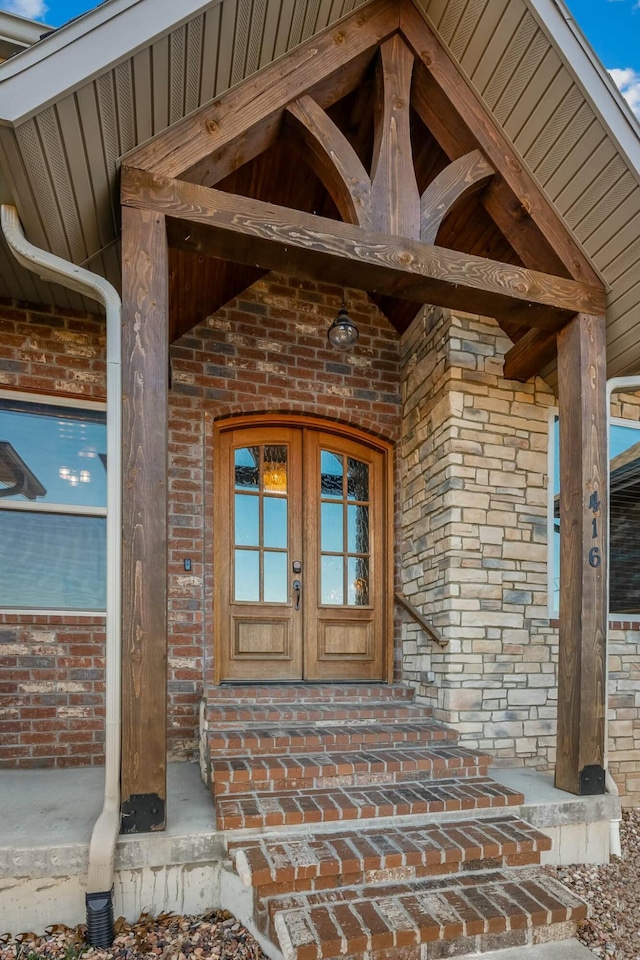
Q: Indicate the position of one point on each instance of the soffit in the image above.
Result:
(61, 164)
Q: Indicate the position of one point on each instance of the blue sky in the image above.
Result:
(612, 26)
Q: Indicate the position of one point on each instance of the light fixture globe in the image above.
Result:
(343, 333)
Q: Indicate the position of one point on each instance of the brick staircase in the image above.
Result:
(357, 827)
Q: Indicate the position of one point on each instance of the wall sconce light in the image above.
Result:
(343, 333)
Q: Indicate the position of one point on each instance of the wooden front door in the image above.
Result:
(300, 555)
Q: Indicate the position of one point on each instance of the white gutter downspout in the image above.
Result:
(616, 383)
(105, 832)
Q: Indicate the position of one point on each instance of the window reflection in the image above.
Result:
(344, 530)
(331, 474)
(247, 468)
(261, 521)
(53, 454)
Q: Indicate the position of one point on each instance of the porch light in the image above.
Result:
(343, 333)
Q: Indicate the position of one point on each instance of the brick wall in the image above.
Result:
(266, 350)
(472, 488)
(51, 668)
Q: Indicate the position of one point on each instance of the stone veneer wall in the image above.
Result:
(474, 530)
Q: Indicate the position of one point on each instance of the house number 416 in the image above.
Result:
(595, 558)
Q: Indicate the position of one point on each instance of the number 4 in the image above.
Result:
(594, 503)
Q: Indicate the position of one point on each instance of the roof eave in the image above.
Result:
(83, 49)
(589, 73)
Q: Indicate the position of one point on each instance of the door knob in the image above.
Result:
(297, 586)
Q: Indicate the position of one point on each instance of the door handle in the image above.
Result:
(297, 586)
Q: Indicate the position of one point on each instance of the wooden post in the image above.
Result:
(583, 552)
(144, 539)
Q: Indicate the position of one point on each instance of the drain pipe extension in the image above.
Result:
(615, 849)
(99, 903)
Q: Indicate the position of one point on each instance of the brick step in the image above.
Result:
(308, 692)
(382, 711)
(361, 803)
(293, 863)
(351, 768)
(428, 918)
(263, 739)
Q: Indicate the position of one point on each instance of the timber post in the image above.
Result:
(145, 345)
(583, 556)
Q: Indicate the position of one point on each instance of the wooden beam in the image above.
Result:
(395, 199)
(529, 355)
(463, 122)
(333, 159)
(218, 138)
(145, 351)
(583, 554)
(456, 181)
(277, 238)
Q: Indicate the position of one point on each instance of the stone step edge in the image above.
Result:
(315, 713)
(308, 692)
(349, 927)
(264, 810)
(274, 767)
(529, 841)
(310, 738)
(228, 789)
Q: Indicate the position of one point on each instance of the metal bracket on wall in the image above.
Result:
(592, 781)
(143, 813)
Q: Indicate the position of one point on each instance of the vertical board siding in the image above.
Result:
(520, 79)
(542, 79)
(61, 183)
(37, 171)
(502, 78)
(194, 64)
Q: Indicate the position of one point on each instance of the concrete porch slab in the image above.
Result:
(48, 815)
(578, 826)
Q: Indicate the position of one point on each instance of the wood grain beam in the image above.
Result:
(395, 199)
(463, 123)
(145, 351)
(583, 554)
(221, 136)
(529, 355)
(272, 237)
(333, 159)
(455, 182)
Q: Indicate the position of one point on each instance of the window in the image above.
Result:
(624, 507)
(53, 496)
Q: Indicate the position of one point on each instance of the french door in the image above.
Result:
(300, 555)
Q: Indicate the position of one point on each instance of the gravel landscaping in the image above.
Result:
(612, 932)
(613, 895)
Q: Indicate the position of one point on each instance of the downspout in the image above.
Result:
(99, 903)
(616, 383)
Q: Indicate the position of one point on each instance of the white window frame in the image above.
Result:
(76, 403)
(551, 467)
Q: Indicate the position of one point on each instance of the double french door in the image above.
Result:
(300, 555)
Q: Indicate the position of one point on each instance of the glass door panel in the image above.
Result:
(260, 524)
(344, 530)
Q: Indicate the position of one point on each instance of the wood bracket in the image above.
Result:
(443, 194)
(333, 159)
